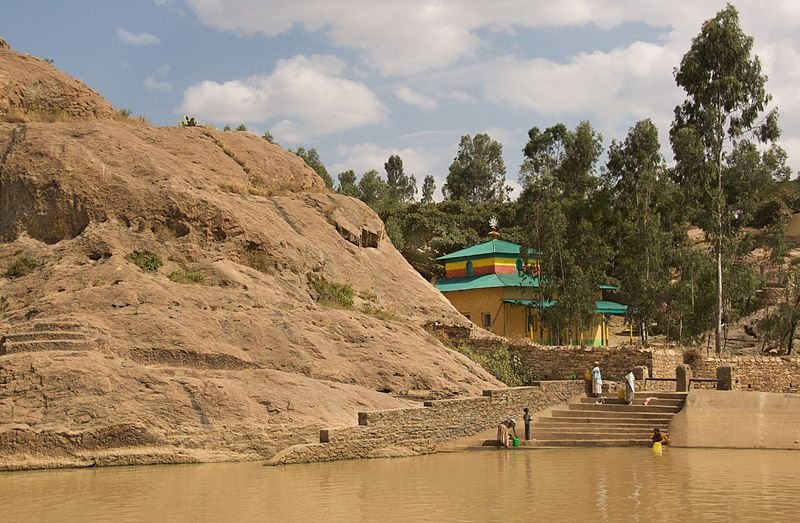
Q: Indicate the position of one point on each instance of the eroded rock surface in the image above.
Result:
(103, 363)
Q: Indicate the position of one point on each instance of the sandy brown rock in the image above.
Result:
(31, 89)
(236, 367)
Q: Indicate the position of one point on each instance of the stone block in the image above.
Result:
(683, 375)
(726, 377)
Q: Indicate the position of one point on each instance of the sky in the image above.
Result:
(360, 80)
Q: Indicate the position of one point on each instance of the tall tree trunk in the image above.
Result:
(718, 329)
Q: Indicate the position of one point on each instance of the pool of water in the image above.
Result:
(512, 485)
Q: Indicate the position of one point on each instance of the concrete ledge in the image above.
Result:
(737, 419)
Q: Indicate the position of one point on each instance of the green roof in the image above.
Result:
(600, 306)
(490, 248)
(486, 281)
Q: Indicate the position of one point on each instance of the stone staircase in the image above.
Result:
(47, 336)
(610, 424)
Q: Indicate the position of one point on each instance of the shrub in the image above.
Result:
(188, 121)
(21, 266)
(330, 293)
(148, 261)
(241, 127)
(381, 314)
(501, 363)
(122, 114)
(692, 357)
(184, 276)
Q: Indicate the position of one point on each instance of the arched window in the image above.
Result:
(469, 268)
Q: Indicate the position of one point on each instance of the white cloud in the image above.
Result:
(306, 96)
(137, 39)
(461, 96)
(448, 49)
(158, 86)
(411, 97)
(362, 157)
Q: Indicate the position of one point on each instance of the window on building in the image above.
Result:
(469, 268)
(467, 315)
(487, 320)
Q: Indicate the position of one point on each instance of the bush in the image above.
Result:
(501, 363)
(21, 266)
(242, 127)
(184, 276)
(188, 121)
(381, 314)
(330, 293)
(148, 261)
(692, 357)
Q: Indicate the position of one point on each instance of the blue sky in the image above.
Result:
(360, 80)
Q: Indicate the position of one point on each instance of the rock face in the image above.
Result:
(104, 363)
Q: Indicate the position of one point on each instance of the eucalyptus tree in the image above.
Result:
(347, 184)
(402, 187)
(635, 175)
(478, 172)
(558, 176)
(726, 99)
(428, 189)
(312, 159)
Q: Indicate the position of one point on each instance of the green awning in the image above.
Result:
(600, 306)
(486, 281)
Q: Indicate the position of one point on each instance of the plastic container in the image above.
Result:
(515, 442)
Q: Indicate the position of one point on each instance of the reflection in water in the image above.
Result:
(523, 485)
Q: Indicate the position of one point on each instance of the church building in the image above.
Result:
(489, 284)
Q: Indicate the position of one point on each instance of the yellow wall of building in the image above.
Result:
(510, 320)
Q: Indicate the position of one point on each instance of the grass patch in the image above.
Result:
(234, 187)
(184, 276)
(148, 261)
(21, 266)
(122, 115)
(329, 292)
(501, 363)
(381, 314)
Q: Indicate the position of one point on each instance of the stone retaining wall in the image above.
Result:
(757, 373)
(419, 430)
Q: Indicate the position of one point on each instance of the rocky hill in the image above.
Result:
(225, 350)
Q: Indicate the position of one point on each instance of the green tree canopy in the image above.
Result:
(725, 101)
(312, 159)
(428, 189)
(402, 187)
(372, 188)
(478, 172)
(347, 184)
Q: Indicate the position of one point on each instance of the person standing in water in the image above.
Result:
(629, 388)
(597, 380)
(526, 417)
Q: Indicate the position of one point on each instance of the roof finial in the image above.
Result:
(493, 224)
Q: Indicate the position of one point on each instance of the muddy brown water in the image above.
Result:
(509, 485)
